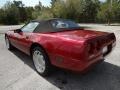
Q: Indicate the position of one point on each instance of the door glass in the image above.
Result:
(30, 27)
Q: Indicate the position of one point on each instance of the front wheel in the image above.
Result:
(41, 61)
(8, 45)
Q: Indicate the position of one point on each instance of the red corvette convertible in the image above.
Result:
(61, 43)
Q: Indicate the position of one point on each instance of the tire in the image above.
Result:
(41, 61)
(8, 44)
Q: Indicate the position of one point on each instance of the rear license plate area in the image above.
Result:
(105, 49)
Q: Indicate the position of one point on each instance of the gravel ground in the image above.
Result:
(17, 71)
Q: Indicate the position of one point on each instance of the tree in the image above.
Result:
(2, 16)
(116, 10)
(22, 10)
(53, 2)
(41, 12)
(109, 11)
(37, 10)
(58, 9)
(18, 4)
(29, 12)
(11, 13)
(39, 6)
(45, 13)
(15, 12)
(79, 10)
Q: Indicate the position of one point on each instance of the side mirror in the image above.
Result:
(18, 31)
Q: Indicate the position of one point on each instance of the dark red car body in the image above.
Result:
(75, 50)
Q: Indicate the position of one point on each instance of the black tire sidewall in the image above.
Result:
(47, 63)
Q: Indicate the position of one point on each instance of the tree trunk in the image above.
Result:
(108, 22)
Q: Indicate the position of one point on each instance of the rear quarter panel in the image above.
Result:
(60, 49)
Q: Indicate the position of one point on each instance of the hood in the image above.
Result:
(80, 34)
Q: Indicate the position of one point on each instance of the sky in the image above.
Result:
(31, 2)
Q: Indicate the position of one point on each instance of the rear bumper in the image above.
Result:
(96, 60)
(85, 65)
(81, 66)
(110, 48)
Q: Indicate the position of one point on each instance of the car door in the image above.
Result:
(23, 37)
(13, 38)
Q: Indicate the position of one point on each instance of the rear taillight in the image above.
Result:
(93, 47)
(99, 46)
(90, 48)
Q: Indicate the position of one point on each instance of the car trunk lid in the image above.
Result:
(80, 34)
(95, 40)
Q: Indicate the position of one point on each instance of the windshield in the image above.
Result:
(64, 24)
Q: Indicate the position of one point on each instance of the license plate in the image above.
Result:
(105, 49)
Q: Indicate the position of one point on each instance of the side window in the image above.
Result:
(64, 24)
(43, 27)
(59, 24)
(30, 27)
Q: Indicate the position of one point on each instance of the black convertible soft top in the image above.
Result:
(45, 25)
(46, 20)
(49, 25)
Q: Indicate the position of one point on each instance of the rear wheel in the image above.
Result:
(8, 44)
(41, 61)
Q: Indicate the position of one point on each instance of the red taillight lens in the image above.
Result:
(93, 47)
(99, 45)
(90, 48)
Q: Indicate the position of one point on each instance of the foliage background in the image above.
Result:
(84, 11)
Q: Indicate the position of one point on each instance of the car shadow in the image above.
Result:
(104, 76)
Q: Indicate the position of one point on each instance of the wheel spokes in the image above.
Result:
(39, 61)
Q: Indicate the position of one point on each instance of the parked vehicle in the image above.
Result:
(61, 43)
